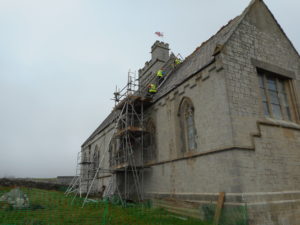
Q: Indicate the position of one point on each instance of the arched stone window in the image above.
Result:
(150, 153)
(187, 124)
(86, 157)
(96, 158)
(114, 158)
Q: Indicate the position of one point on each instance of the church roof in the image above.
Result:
(195, 62)
(198, 59)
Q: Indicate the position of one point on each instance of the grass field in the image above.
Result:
(53, 207)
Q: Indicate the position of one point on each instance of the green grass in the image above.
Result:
(53, 207)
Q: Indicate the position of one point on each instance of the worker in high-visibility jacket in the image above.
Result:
(177, 61)
(160, 73)
(152, 89)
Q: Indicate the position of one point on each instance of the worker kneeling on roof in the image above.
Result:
(177, 61)
(152, 88)
(160, 73)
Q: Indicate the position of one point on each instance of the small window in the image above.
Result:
(275, 95)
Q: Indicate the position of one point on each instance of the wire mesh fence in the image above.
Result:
(231, 214)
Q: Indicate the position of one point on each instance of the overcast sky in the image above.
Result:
(61, 59)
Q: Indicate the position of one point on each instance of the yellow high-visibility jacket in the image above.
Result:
(152, 88)
(177, 61)
(159, 73)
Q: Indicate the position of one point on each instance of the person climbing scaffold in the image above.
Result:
(177, 61)
(160, 74)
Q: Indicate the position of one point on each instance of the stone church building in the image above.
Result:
(226, 119)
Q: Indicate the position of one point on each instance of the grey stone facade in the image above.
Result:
(252, 157)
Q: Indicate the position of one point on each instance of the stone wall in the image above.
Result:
(100, 142)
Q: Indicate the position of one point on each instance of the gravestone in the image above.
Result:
(15, 198)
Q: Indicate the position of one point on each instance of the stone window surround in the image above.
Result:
(285, 74)
(151, 138)
(273, 68)
(276, 96)
(96, 158)
(184, 103)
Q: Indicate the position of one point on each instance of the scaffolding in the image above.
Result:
(126, 152)
(125, 149)
(126, 144)
(86, 170)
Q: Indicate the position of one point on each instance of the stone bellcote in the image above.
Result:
(159, 56)
(160, 51)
